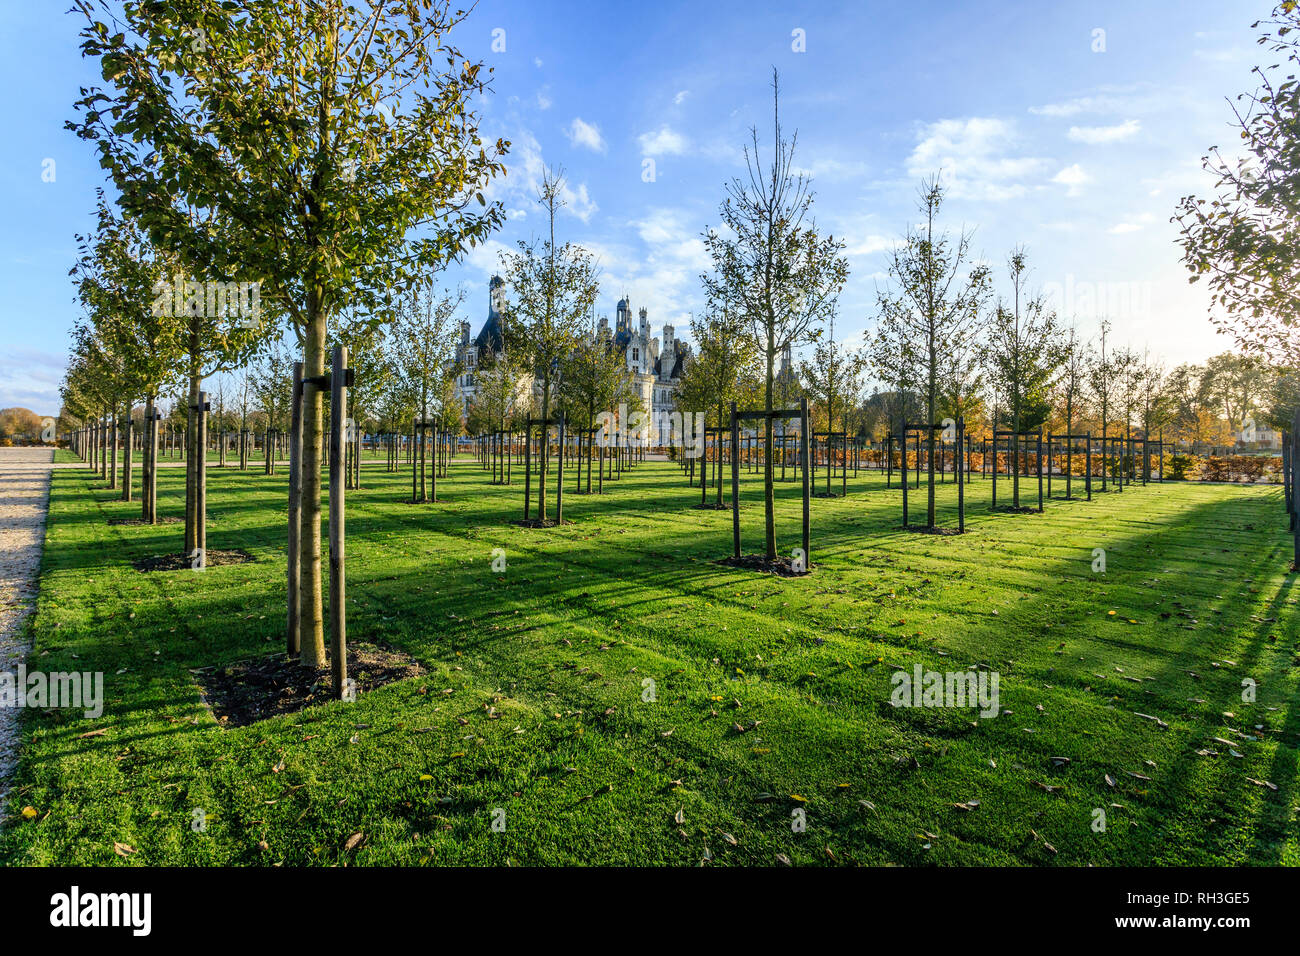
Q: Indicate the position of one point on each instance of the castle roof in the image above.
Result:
(490, 337)
(622, 338)
(678, 359)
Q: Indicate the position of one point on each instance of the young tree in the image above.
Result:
(424, 348)
(1105, 372)
(450, 418)
(1074, 370)
(552, 288)
(116, 272)
(1246, 239)
(1238, 385)
(1187, 401)
(931, 314)
(834, 381)
(1154, 404)
(722, 370)
(272, 374)
(769, 259)
(1025, 352)
(833, 376)
(502, 392)
(320, 137)
(364, 335)
(96, 376)
(591, 383)
(1129, 394)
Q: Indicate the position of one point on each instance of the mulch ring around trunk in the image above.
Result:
(171, 519)
(756, 562)
(922, 529)
(247, 691)
(182, 562)
(538, 523)
(712, 506)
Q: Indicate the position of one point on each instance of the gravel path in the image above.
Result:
(24, 500)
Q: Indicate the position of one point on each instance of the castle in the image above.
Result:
(655, 368)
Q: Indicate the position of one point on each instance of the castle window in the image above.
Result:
(636, 353)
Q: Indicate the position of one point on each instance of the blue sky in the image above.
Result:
(1078, 155)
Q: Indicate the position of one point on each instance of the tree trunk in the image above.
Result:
(112, 465)
(128, 429)
(769, 492)
(191, 466)
(310, 619)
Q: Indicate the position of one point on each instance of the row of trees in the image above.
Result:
(21, 426)
(248, 144)
(944, 343)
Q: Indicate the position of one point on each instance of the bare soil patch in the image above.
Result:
(183, 562)
(245, 692)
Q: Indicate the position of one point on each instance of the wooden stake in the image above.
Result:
(338, 479)
(293, 632)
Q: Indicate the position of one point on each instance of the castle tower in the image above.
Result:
(496, 295)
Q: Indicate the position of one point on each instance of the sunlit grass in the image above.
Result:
(548, 719)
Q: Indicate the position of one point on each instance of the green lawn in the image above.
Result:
(558, 647)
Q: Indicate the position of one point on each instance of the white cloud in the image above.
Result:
(544, 98)
(1080, 104)
(680, 98)
(972, 156)
(578, 202)
(30, 378)
(1101, 135)
(827, 168)
(582, 133)
(657, 263)
(672, 237)
(525, 168)
(662, 142)
(537, 62)
(1072, 178)
(870, 244)
(1132, 224)
(486, 256)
